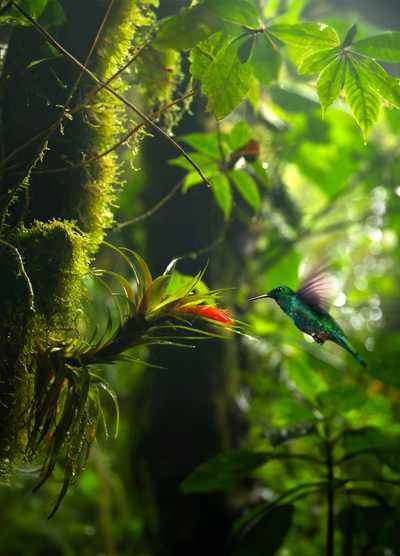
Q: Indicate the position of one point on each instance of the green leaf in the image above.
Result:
(371, 439)
(239, 11)
(380, 81)
(204, 53)
(222, 193)
(308, 382)
(342, 399)
(385, 47)
(206, 143)
(34, 8)
(246, 48)
(331, 82)
(351, 33)
(312, 35)
(364, 103)
(287, 411)
(223, 471)
(266, 533)
(317, 61)
(193, 178)
(184, 30)
(226, 81)
(265, 59)
(53, 14)
(246, 187)
(240, 134)
(201, 159)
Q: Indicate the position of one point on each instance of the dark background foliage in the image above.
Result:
(309, 439)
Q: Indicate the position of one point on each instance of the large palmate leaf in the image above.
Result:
(314, 36)
(363, 101)
(331, 81)
(385, 47)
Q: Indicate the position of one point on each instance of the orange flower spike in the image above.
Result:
(208, 311)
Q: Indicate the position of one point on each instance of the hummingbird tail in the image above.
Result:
(345, 344)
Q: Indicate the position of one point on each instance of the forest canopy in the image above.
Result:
(199, 253)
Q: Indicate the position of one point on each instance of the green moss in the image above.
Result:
(56, 214)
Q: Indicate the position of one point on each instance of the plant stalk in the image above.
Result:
(330, 525)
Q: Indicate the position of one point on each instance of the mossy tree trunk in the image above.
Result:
(53, 208)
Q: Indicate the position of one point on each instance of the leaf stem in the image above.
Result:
(330, 525)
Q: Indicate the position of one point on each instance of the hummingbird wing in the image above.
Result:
(316, 288)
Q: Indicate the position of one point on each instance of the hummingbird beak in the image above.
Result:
(263, 296)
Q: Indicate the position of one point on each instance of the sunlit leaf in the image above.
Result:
(385, 47)
(240, 11)
(308, 34)
(222, 193)
(331, 82)
(184, 30)
(246, 187)
(226, 81)
(363, 101)
(380, 81)
(239, 135)
(317, 61)
(206, 143)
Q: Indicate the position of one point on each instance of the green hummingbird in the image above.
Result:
(306, 308)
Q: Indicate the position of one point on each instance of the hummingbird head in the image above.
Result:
(281, 294)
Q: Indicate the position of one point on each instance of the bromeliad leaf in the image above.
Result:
(312, 35)
(363, 101)
(239, 11)
(223, 194)
(385, 47)
(226, 81)
(331, 82)
(246, 187)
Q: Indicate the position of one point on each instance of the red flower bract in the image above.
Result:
(209, 312)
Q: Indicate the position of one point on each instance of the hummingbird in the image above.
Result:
(306, 308)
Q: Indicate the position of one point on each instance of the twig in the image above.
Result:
(123, 140)
(330, 525)
(112, 91)
(164, 200)
(75, 109)
(23, 273)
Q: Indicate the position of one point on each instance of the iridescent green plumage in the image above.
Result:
(304, 308)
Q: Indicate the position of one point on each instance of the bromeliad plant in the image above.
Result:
(171, 309)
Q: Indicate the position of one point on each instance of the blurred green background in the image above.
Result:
(322, 194)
